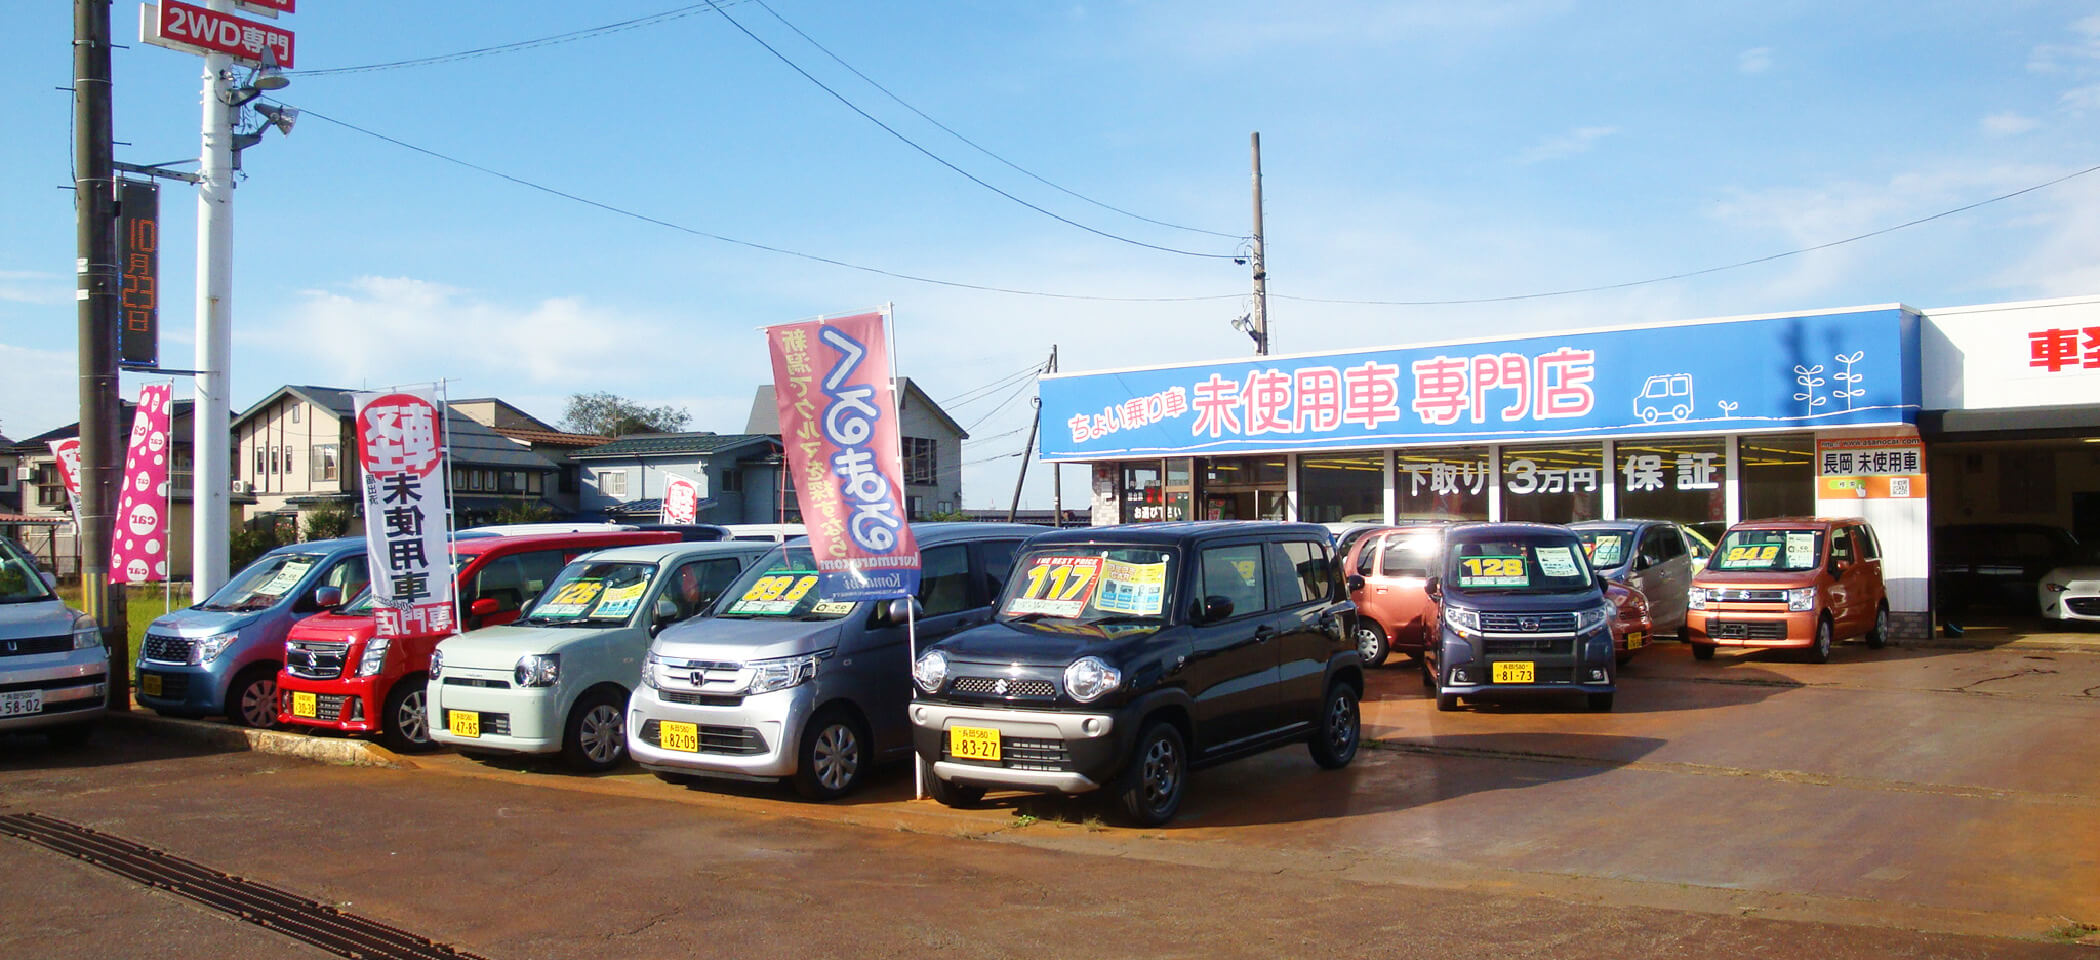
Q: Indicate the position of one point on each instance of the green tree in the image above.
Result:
(327, 523)
(611, 415)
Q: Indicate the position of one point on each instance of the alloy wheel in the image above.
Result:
(1341, 722)
(600, 734)
(836, 756)
(410, 720)
(1162, 774)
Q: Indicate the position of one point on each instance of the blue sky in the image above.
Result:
(1411, 151)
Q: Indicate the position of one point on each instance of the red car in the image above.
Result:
(338, 674)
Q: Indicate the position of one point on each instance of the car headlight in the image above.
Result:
(649, 671)
(2055, 587)
(931, 670)
(437, 664)
(85, 633)
(537, 670)
(1089, 677)
(1696, 597)
(208, 649)
(1462, 619)
(781, 673)
(1802, 599)
(375, 658)
(1593, 618)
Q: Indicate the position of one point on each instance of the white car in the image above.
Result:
(557, 680)
(2071, 593)
(54, 671)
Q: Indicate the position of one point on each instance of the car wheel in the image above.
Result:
(1339, 730)
(596, 736)
(1371, 643)
(252, 699)
(1153, 784)
(1428, 672)
(834, 756)
(405, 720)
(953, 794)
(1879, 636)
(1624, 659)
(1702, 651)
(1819, 652)
(1600, 702)
(70, 738)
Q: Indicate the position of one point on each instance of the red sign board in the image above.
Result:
(268, 8)
(191, 27)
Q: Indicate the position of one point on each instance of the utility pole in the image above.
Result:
(101, 407)
(1057, 472)
(1261, 267)
(211, 418)
(1014, 509)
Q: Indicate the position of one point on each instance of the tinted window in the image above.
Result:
(944, 580)
(1234, 574)
(1869, 547)
(1841, 545)
(697, 583)
(998, 564)
(350, 576)
(1368, 557)
(1307, 566)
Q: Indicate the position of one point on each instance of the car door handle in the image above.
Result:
(1262, 634)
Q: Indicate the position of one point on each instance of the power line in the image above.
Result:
(1018, 390)
(995, 436)
(835, 58)
(559, 38)
(937, 158)
(972, 396)
(1695, 273)
(751, 244)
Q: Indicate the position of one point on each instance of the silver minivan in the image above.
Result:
(1655, 557)
(54, 671)
(781, 684)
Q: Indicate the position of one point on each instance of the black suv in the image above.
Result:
(1121, 658)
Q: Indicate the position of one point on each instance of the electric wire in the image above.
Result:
(972, 396)
(996, 436)
(1032, 175)
(1018, 390)
(750, 244)
(559, 38)
(937, 158)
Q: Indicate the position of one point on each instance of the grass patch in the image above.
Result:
(141, 605)
(1021, 820)
(2071, 931)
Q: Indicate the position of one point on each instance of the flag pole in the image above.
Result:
(911, 619)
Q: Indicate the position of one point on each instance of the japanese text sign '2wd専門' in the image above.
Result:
(401, 447)
(838, 420)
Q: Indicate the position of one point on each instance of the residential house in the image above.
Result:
(624, 480)
(10, 478)
(539, 437)
(931, 440)
(45, 526)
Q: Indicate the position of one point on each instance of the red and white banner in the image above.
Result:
(67, 452)
(188, 27)
(838, 420)
(138, 539)
(401, 449)
(681, 501)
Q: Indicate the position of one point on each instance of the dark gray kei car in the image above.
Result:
(1523, 615)
(1121, 658)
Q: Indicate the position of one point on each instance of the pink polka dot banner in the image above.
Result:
(138, 549)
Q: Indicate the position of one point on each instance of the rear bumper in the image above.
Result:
(351, 704)
(73, 687)
(1743, 625)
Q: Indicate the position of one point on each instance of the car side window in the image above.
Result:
(696, 583)
(1309, 567)
(998, 558)
(1841, 545)
(349, 575)
(1234, 574)
(503, 581)
(944, 580)
(1367, 558)
(540, 567)
(1669, 542)
(1408, 558)
(1869, 547)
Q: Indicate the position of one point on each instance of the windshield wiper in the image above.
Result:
(1125, 618)
(1025, 617)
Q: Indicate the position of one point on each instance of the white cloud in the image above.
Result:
(1578, 140)
(1755, 60)
(2065, 260)
(2075, 57)
(2080, 100)
(34, 287)
(43, 390)
(2008, 124)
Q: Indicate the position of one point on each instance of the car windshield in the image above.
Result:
(264, 582)
(1606, 548)
(19, 580)
(1775, 550)
(1519, 563)
(782, 584)
(593, 593)
(1090, 584)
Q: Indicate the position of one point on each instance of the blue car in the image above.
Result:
(222, 656)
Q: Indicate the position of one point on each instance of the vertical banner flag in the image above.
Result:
(838, 420)
(138, 540)
(401, 447)
(67, 452)
(681, 501)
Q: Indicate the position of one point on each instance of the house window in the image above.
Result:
(569, 476)
(295, 413)
(289, 453)
(732, 480)
(50, 490)
(324, 465)
(259, 462)
(612, 483)
(533, 482)
(921, 461)
(276, 459)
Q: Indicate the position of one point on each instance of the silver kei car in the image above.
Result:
(54, 671)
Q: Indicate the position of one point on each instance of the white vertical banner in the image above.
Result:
(401, 451)
(681, 502)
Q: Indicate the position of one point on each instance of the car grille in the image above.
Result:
(1015, 689)
(1746, 629)
(737, 741)
(55, 683)
(167, 649)
(173, 686)
(1025, 753)
(29, 645)
(313, 660)
(691, 699)
(492, 724)
(2084, 606)
(1739, 595)
(1501, 646)
(477, 682)
(1514, 622)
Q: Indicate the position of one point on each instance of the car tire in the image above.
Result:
(834, 756)
(953, 794)
(1428, 672)
(1372, 643)
(404, 722)
(1819, 650)
(71, 737)
(1702, 651)
(1339, 730)
(1600, 702)
(251, 700)
(1878, 635)
(1149, 792)
(1447, 702)
(595, 738)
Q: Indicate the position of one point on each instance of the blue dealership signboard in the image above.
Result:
(1853, 368)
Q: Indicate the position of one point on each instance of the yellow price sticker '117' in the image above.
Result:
(1057, 586)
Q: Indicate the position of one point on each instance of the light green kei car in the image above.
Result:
(557, 679)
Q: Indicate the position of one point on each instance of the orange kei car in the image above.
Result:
(1799, 582)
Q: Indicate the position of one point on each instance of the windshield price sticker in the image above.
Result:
(832, 607)
(621, 601)
(1800, 548)
(1751, 555)
(288, 576)
(574, 598)
(1558, 562)
(1057, 586)
(1605, 551)
(1495, 572)
(1133, 588)
(776, 594)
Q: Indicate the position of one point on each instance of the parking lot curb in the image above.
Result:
(343, 751)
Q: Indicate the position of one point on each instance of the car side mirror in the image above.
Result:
(664, 615)
(526, 607)
(50, 579)
(1216, 609)
(899, 610)
(328, 598)
(483, 607)
(1354, 582)
(1433, 589)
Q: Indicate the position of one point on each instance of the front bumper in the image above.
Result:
(754, 737)
(1750, 625)
(72, 685)
(1040, 750)
(183, 689)
(1587, 664)
(349, 704)
(511, 719)
(2080, 600)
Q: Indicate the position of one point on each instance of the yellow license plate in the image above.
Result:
(973, 743)
(1516, 671)
(305, 704)
(463, 723)
(149, 684)
(1634, 639)
(682, 737)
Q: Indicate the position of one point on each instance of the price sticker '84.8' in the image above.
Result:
(1752, 555)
